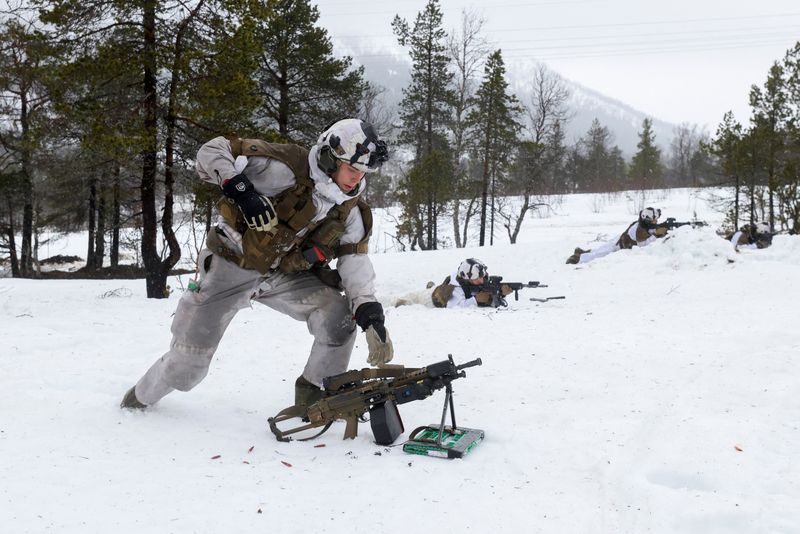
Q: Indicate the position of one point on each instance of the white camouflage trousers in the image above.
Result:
(203, 316)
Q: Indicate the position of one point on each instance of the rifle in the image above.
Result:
(671, 223)
(351, 394)
(493, 284)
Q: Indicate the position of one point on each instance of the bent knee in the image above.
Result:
(332, 325)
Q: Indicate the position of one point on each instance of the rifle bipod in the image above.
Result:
(443, 441)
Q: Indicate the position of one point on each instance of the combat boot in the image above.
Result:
(578, 251)
(131, 402)
(306, 393)
(572, 260)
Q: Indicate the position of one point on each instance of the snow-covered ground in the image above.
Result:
(660, 396)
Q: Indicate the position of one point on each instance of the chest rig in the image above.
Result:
(442, 293)
(297, 243)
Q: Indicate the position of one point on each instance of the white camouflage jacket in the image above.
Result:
(215, 164)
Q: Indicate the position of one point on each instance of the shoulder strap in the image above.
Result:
(293, 156)
(362, 247)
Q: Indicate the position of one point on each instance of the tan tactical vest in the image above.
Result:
(442, 293)
(282, 248)
(625, 241)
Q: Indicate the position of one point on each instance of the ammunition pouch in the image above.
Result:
(214, 244)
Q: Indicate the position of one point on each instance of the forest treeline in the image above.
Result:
(104, 103)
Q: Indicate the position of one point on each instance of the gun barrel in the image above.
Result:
(473, 363)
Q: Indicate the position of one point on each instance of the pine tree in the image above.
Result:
(790, 190)
(428, 178)
(646, 169)
(24, 109)
(494, 129)
(304, 85)
(595, 164)
(725, 146)
(426, 105)
(166, 44)
(769, 119)
(425, 110)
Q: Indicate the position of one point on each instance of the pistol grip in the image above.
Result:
(351, 430)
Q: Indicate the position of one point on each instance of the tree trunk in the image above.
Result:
(12, 242)
(100, 234)
(491, 213)
(26, 251)
(518, 224)
(467, 218)
(736, 205)
(115, 217)
(456, 223)
(155, 275)
(484, 197)
(92, 208)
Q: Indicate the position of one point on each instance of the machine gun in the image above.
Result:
(352, 394)
(493, 285)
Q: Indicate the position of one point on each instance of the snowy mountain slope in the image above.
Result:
(393, 74)
(660, 396)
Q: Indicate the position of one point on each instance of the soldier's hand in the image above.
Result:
(484, 298)
(379, 345)
(369, 316)
(257, 209)
(660, 232)
(505, 290)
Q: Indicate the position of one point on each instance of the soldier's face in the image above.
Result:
(476, 281)
(347, 177)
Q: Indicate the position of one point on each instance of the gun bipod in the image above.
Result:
(443, 441)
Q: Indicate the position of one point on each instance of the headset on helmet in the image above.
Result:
(649, 215)
(354, 142)
(472, 269)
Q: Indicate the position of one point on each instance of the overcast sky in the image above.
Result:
(677, 60)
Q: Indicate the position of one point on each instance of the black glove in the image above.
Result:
(369, 316)
(257, 209)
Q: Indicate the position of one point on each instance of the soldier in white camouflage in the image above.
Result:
(286, 213)
(751, 236)
(462, 289)
(639, 233)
